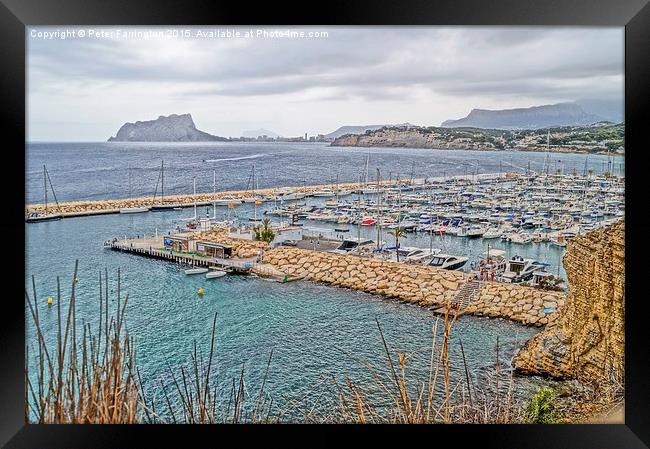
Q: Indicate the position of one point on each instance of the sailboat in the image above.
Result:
(193, 221)
(132, 210)
(161, 207)
(35, 217)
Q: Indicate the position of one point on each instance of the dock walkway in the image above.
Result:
(152, 247)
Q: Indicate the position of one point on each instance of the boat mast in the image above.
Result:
(365, 184)
(378, 211)
(359, 210)
(214, 194)
(337, 189)
(45, 187)
(162, 182)
(254, 196)
(194, 182)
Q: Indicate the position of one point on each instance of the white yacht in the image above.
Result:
(447, 261)
(519, 269)
(350, 244)
(408, 254)
(324, 193)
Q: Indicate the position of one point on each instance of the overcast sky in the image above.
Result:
(85, 88)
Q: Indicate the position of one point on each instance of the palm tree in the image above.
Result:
(397, 233)
(264, 232)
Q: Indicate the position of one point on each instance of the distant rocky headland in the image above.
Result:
(601, 137)
(172, 128)
(536, 117)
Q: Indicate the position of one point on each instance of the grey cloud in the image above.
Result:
(352, 59)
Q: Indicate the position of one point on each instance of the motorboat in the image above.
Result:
(226, 201)
(289, 195)
(368, 222)
(196, 270)
(519, 269)
(408, 254)
(474, 231)
(492, 233)
(350, 244)
(217, 273)
(519, 237)
(494, 260)
(447, 261)
(419, 255)
(324, 193)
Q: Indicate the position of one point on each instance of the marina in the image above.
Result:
(517, 212)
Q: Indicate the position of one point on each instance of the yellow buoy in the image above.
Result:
(76, 280)
(200, 291)
(49, 300)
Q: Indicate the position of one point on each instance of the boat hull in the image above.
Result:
(41, 218)
(134, 210)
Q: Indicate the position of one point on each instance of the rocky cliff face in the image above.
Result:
(173, 128)
(396, 137)
(586, 342)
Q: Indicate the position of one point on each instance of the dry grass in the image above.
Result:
(193, 400)
(436, 399)
(87, 378)
(91, 378)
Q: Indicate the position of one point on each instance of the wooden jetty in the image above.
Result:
(152, 247)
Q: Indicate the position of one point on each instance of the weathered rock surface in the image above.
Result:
(587, 341)
(173, 128)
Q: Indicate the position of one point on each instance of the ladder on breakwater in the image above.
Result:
(466, 294)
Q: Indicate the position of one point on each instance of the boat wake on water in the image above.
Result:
(253, 156)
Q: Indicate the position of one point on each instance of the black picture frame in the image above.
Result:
(634, 15)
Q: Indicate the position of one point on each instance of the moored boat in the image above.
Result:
(196, 270)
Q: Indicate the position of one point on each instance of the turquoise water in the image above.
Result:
(316, 332)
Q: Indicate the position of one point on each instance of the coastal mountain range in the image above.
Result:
(171, 128)
(536, 117)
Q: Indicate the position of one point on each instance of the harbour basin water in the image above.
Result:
(315, 331)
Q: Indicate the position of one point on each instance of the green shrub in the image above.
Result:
(541, 407)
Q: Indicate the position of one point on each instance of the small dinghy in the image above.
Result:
(196, 270)
(215, 274)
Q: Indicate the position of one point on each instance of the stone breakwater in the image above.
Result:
(96, 206)
(587, 342)
(418, 285)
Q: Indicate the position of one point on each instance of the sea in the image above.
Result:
(319, 336)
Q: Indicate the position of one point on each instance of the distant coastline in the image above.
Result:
(600, 138)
